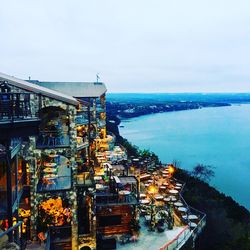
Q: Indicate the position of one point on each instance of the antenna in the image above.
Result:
(97, 77)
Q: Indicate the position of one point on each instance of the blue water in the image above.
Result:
(213, 136)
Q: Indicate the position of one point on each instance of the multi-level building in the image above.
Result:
(57, 181)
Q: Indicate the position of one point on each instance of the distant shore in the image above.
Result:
(122, 111)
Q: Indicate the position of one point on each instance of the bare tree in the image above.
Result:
(176, 163)
(203, 172)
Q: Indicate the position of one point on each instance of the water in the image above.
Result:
(213, 136)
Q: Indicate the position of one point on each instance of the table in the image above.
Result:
(192, 217)
(53, 156)
(143, 195)
(124, 192)
(172, 198)
(124, 195)
(147, 185)
(99, 186)
(163, 187)
(49, 164)
(165, 171)
(178, 204)
(178, 184)
(97, 178)
(159, 197)
(166, 199)
(178, 188)
(182, 209)
(192, 224)
(144, 201)
(173, 191)
(50, 170)
(150, 181)
(50, 176)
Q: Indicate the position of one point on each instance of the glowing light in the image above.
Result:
(152, 189)
(171, 169)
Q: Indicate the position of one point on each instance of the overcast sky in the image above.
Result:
(135, 45)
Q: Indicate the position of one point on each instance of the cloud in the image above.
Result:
(162, 45)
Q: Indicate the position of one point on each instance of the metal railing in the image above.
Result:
(16, 106)
(81, 119)
(53, 139)
(178, 241)
(56, 184)
(15, 231)
(103, 199)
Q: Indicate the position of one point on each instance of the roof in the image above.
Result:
(127, 180)
(77, 89)
(31, 87)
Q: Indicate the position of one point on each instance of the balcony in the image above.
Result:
(16, 110)
(15, 107)
(104, 199)
(55, 177)
(81, 120)
(120, 190)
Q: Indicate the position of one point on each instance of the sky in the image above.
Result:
(134, 45)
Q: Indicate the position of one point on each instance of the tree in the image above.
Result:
(203, 172)
(176, 163)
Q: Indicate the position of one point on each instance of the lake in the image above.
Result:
(212, 136)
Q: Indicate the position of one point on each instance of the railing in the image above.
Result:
(53, 139)
(16, 106)
(100, 108)
(15, 231)
(101, 123)
(201, 224)
(82, 145)
(103, 199)
(81, 120)
(17, 191)
(56, 184)
(85, 179)
(58, 236)
(178, 241)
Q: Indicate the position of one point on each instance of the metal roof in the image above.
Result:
(76, 89)
(31, 87)
(128, 180)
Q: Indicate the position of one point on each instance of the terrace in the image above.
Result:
(16, 112)
(113, 190)
(16, 107)
(166, 221)
(54, 174)
(54, 128)
(163, 209)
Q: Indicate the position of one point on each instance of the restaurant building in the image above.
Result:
(64, 184)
